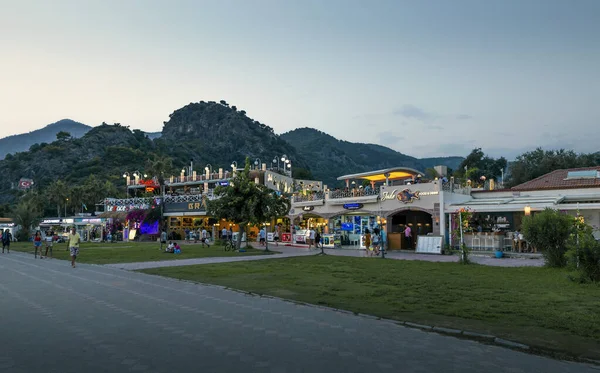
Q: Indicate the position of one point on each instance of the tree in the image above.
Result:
(224, 103)
(56, 193)
(27, 214)
(234, 108)
(302, 173)
(549, 231)
(160, 167)
(244, 202)
(536, 163)
(477, 164)
(267, 206)
(63, 136)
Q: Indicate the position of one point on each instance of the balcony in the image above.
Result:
(171, 198)
(315, 196)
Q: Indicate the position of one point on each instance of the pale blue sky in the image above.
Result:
(426, 77)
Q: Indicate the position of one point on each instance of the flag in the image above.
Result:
(84, 206)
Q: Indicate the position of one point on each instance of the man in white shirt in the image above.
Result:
(204, 237)
(224, 234)
(311, 238)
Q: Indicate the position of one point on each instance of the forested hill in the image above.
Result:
(22, 142)
(331, 157)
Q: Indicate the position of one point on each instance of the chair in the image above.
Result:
(508, 243)
(476, 242)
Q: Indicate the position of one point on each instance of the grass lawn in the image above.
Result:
(128, 252)
(537, 306)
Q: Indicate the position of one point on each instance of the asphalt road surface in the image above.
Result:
(54, 318)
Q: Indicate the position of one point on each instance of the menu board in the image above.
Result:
(429, 244)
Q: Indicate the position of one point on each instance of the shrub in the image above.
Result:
(549, 231)
(585, 257)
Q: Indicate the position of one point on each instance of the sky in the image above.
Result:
(426, 78)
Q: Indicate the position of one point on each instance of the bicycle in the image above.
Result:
(229, 245)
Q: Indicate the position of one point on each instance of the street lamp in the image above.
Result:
(66, 202)
(276, 160)
(289, 165)
(234, 165)
(257, 163)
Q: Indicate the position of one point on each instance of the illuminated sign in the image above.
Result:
(223, 183)
(353, 206)
(308, 208)
(406, 195)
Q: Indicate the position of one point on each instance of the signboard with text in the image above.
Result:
(185, 207)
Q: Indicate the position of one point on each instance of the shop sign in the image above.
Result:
(223, 183)
(127, 208)
(91, 221)
(51, 221)
(286, 237)
(185, 207)
(406, 195)
(353, 206)
(308, 208)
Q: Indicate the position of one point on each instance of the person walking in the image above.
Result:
(204, 237)
(6, 238)
(376, 239)
(73, 245)
(276, 235)
(311, 238)
(408, 237)
(49, 242)
(368, 248)
(37, 244)
(262, 235)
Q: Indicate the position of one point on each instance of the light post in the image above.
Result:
(234, 166)
(276, 160)
(127, 180)
(66, 202)
(286, 163)
(257, 163)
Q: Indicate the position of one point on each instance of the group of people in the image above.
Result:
(197, 235)
(262, 236)
(173, 248)
(49, 238)
(373, 242)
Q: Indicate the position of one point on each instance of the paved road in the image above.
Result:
(99, 319)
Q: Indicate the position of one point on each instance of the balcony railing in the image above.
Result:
(188, 179)
(354, 193)
(190, 197)
(316, 196)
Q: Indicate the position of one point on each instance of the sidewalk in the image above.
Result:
(289, 251)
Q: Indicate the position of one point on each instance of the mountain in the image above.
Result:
(217, 134)
(330, 157)
(22, 142)
(209, 133)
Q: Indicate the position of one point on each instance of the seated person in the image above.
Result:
(170, 247)
(177, 248)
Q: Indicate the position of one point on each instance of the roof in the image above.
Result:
(569, 178)
(379, 175)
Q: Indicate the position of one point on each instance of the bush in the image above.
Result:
(587, 254)
(549, 231)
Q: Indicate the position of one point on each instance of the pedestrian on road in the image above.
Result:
(37, 244)
(73, 245)
(49, 242)
(6, 238)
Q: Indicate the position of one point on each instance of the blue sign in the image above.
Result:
(223, 183)
(353, 206)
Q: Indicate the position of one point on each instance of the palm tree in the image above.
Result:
(27, 214)
(158, 168)
(57, 193)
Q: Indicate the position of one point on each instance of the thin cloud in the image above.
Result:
(464, 117)
(389, 138)
(413, 112)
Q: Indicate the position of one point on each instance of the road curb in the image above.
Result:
(505, 342)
